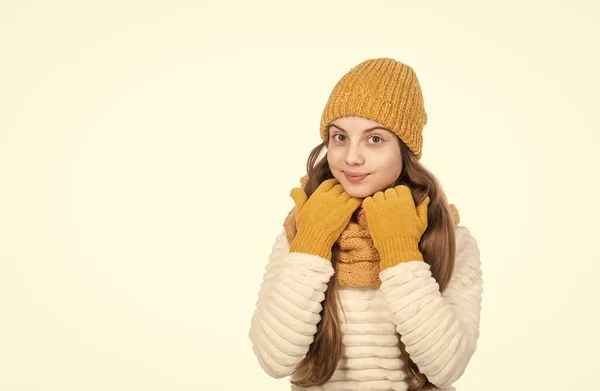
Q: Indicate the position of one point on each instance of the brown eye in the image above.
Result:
(338, 134)
(376, 137)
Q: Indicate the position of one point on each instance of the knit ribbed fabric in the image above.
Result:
(439, 330)
(383, 90)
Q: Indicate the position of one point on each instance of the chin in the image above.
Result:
(354, 190)
(359, 193)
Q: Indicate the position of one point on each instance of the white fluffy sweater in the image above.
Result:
(439, 330)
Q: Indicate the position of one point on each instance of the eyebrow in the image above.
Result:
(364, 131)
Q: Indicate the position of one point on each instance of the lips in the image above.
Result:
(355, 174)
(355, 177)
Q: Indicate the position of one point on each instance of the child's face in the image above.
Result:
(375, 152)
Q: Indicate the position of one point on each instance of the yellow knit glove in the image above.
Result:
(396, 225)
(321, 219)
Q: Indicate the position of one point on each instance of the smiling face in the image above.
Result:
(357, 145)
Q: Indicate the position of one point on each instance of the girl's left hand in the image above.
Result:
(396, 225)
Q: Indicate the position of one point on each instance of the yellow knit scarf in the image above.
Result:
(356, 260)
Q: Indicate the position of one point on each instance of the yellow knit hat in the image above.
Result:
(383, 90)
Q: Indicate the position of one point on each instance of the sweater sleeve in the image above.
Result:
(288, 308)
(439, 330)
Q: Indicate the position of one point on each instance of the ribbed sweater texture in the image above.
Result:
(440, 330)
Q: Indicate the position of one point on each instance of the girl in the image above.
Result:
(371, 285)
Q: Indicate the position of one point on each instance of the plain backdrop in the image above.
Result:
(147, 151)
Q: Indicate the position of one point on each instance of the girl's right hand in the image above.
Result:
(321, 219)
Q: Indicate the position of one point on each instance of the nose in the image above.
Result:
(354, 155)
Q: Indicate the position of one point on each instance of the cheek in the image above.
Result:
(332, 158)
(394, 164)
(390, 160)
(393, 170)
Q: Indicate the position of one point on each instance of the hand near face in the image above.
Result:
(396, 224)
(321, 218)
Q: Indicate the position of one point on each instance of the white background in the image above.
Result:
(147, 151)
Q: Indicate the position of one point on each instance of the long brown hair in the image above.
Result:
(438, 246)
